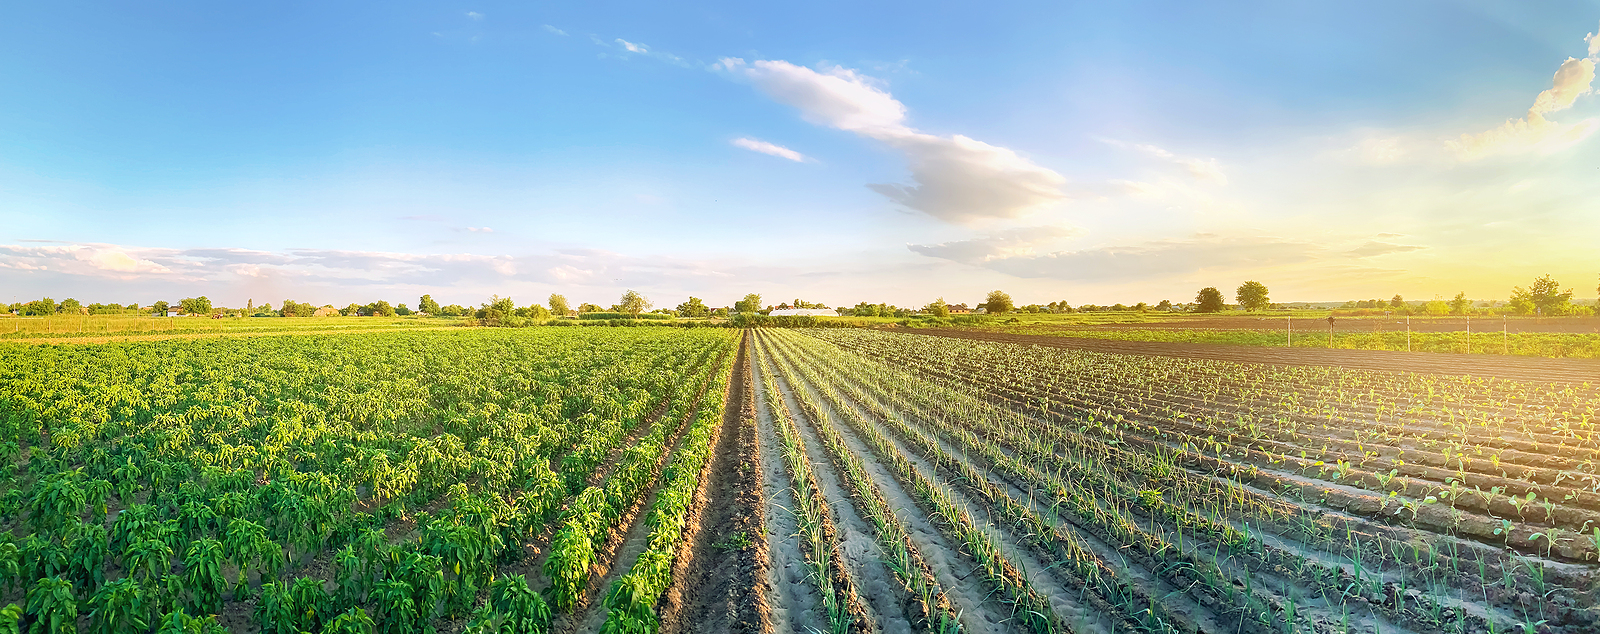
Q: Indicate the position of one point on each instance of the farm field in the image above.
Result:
(1004, 487)
(1559, 337)
(779, 480)
(477, 480)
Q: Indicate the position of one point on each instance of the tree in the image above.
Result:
(352, 310)
(70, 306)
(1208, 300)
(381, 308)
(1397, 301)
(427, 305)
(293, 308)
(1544, 295)
(1252, 295)
(999, 303)
(496, 310)
(158, 308)
(693, 308)
(1460, 304)
(633, 303)
(751, 303)
(558, 305)
(47, 306)
(195, 305)
(1165, 306)
(401, 310)
(938, 308)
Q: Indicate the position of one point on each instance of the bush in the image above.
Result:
(622, 316)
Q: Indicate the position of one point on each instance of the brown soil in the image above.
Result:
(1514, 368)
(719, 588)
(1391, 323)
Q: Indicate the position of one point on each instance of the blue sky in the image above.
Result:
(1093, 152)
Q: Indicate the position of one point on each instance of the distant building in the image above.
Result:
(959, 309)
(174, 311)
(804, 312)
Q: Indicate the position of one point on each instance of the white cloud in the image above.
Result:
(1534, 131)
(480, 230)
(1374, 248)
(554, 30)
(1202, 169)
(1594, 44)
(958, 179)
(1005, 244)
(633, 48)
(1152, 260)
(475, 15)
(769, 149)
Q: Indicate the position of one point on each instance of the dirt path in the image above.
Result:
(1496, 366)
(796, 604)
(720, 582)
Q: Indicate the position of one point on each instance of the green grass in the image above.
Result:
(134, 325)
(1551, 345)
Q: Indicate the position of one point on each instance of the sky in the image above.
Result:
(893, 152)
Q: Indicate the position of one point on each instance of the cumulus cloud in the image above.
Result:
(1375, 248)
(1594, 44)
(1534, 131)
(957, 178)
(1155, 259)
(98, 260)
(770, 149)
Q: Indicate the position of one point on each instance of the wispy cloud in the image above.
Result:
(475, 15)
(1154, 260)
(769, 149)
(958, 179)
(1534, 131)
(1202, 169)
(554, 30)
(1374, 248)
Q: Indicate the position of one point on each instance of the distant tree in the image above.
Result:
(1397, 301)
(558, 305)
(633, 303)
(70, 306)
(1165, 306)
(427, 305)
(587, 307)
(751, 303)
(495, 310)
(379, 308)
(453, 310)
(1252, 295)
(353, 310)
(402, 310)
(533, 311)
(693, 308)
(1141, 307)
(938, 308)
(195, 305)
(999, 303)
(293, 308)
(1545, 295)
(1436, 307)
(249, 305)
(1460, 304)
(47, 306)
(159, 308)
(1208, 300)
(720, 312)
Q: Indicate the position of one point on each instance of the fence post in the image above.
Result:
(1291, 332)
(1408, 333)
(1469, 334)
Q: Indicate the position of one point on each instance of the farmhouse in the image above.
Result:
(174, 311)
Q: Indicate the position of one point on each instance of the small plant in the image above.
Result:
(736, 541)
